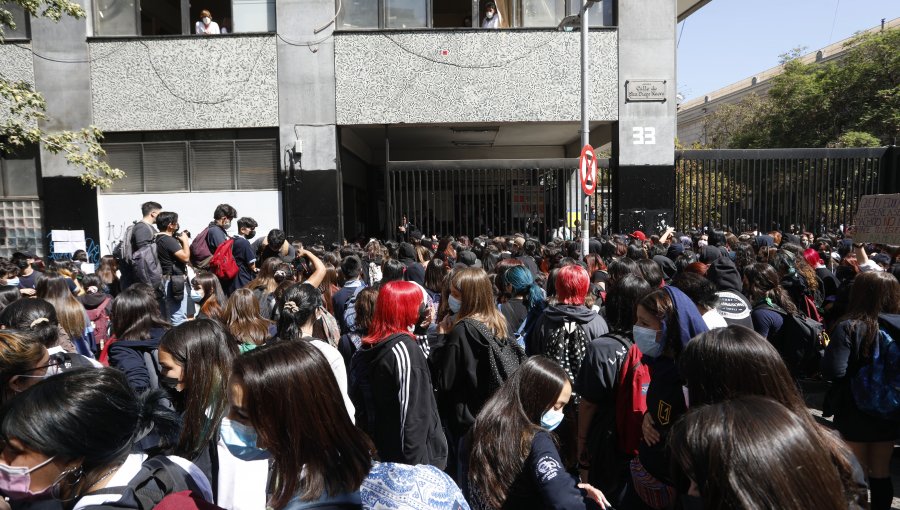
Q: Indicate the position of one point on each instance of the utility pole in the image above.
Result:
(585, 121)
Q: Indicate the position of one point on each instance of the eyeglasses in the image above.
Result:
(51, 368)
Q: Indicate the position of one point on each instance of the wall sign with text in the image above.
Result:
(645, 90)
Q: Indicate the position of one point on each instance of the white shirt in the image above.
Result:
(212, 28)
(130, 469)
(340, 372)
(491, 23)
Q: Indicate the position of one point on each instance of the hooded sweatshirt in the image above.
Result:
(665, 396)
(732, 305)
(555, 316)
(414, 271)
(128, 356)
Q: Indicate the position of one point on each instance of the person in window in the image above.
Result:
(492, 18)
(206, 26)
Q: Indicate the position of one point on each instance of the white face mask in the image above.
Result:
(489, 15)
(206, 20)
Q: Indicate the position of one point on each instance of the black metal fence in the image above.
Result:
(493, 197)
(815, 189)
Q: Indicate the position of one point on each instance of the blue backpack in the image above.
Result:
(876, 386)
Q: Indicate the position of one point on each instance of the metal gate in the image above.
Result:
(815, 189)
(493, 197)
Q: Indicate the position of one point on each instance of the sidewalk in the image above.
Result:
(814, 394)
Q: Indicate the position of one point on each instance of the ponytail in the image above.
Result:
(522, 283)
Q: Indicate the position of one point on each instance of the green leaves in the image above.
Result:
(27, 108)
(819, 105)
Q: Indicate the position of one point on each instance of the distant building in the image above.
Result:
(692, 114)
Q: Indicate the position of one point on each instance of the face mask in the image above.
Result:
(206, 20)
(13, 281)
(489, 15)
(240, 440)
(645, 338)
(551, 419)
(15, 481)
(226, 226)
(687, 397)
(168, 382)
(251, 234)
(454, 304)
(196, 295)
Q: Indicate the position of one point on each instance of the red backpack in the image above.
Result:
(631, 398)
(222, 263)
(100, 318)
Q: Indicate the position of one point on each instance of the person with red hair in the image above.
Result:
(390, 382)
(563, 333)
(830, 283)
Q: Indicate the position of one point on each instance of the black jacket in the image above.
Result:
(554, 316)
(461, 368)
(390, 386)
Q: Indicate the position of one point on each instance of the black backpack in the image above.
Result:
(567, 345)
(157, 478)
(504, 357)
(801, 342)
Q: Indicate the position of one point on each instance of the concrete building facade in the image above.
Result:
(295, 111)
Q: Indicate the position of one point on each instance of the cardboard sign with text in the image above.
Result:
(877, 220)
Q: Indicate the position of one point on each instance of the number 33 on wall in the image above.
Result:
(644, 135)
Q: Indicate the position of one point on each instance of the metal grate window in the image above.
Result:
(170, 167)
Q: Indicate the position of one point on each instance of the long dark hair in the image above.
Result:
(621, 300)
(764, 283)
(506, 425)
(745, 453)
(91, 416)
(297, 306)
(205, 350)
(292, 399)
(134, 314)
(872, 293)
(35, 317)
(749, 365)
(69, 311)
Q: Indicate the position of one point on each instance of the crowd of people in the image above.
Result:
(654, 372)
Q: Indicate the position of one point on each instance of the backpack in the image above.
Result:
(801, 342)
(145, 264)
(504, 357)
(159, 476)
(100, 318)
(222, 263)
(567, 345)
(876, 386)
(200, 253)
(613, 437)
(124, 249)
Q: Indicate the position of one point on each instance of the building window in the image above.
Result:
(20, 209)
(181, 17)
(196, 165)
(19, 175)
(22, 21)
(394, 14)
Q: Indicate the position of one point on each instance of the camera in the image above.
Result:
(178, 234)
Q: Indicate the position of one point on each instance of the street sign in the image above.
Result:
(587, 165)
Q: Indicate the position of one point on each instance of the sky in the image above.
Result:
(729, 40)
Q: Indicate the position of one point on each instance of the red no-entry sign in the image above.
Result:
(587, 166)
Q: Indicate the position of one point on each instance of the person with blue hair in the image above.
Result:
(526, 303)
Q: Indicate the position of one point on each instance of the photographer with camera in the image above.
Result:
(173, 249)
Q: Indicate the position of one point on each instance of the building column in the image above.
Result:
(644, 182)
(311, 196)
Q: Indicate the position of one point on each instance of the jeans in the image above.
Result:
(174, 310)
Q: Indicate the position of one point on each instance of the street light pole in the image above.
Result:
(585, 121)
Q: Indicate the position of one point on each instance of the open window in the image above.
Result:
(181, 17)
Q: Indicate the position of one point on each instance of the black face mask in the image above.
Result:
(423, 313)
(251, 234)
(169, 383)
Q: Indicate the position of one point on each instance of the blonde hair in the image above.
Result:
(205, 14)
(478, 301)
(18, 354)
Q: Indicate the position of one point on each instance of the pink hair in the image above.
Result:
(396, 309)
(572, 284)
